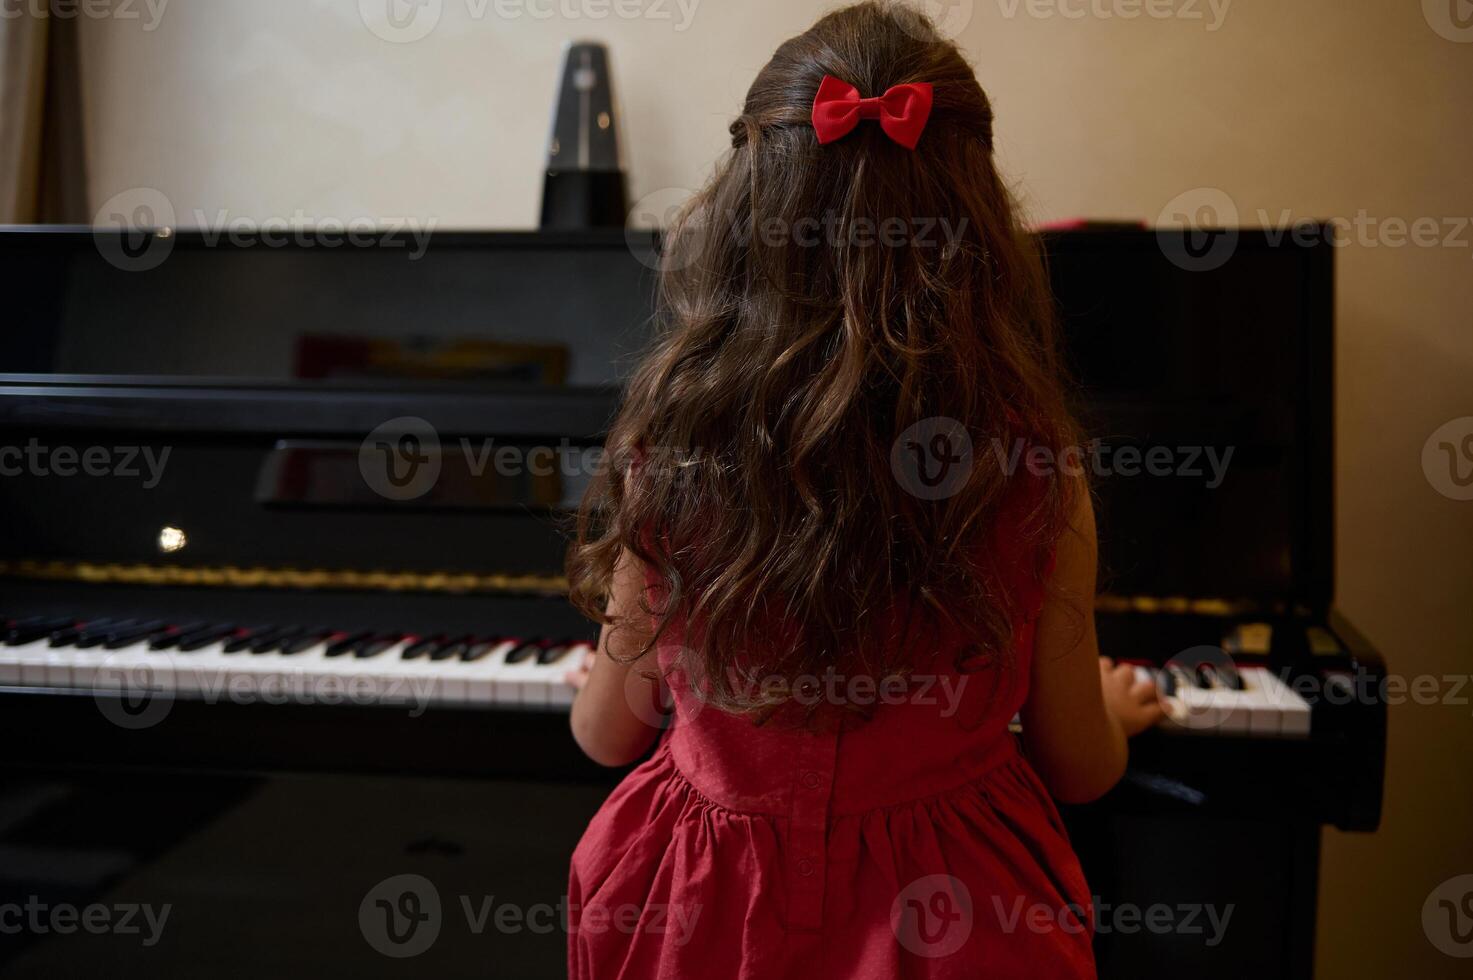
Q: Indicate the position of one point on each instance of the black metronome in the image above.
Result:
(584, 187)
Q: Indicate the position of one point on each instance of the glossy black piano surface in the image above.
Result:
(266, 795)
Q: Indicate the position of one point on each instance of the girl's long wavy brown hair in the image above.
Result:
(816, 302)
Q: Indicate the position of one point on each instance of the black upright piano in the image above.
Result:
(283, 620)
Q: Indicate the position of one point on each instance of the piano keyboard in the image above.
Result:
(287, 663)
(1235, 701)
(293, 663)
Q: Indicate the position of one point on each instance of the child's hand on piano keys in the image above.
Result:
(577, 676)
(1132, 701)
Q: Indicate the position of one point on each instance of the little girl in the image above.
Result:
(819, 536)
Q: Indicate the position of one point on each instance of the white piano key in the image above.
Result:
(23, 664)
(544, 682)
(483, 675)
(201, 674)
(207, 673)
(1294, 712)
(512, 683)
(388, 678)
(452, 681)
(9, 666)
(126, 669)
(563, 693)
(313, 677)
(1264, 717)
(419, 679)
(59, 661)
(309, 676)
(84, 666)
(1235, 705)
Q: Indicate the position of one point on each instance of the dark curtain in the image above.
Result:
(43, 175)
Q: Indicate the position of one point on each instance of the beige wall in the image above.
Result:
(290, 108)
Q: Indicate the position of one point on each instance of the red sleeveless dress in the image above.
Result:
(915, 843)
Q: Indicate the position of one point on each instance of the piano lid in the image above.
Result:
(394, 306)
(1209, 390)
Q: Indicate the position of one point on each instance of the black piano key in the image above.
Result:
(373, 646)
(1229, 676)
(552, 654)
(1206, 676)
(452, 649)
(1182, 679)
(306, 641)
(171, 635)
(524, 652)
(94, 635)
(117, 639)
(246, 637)
(71, 634)
(341, 643)
(200, 639)
(482, 648)
(34, 628)
(423, 648)
(275, 640)
(26, 622)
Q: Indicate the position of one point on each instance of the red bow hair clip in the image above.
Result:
(902, 110)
